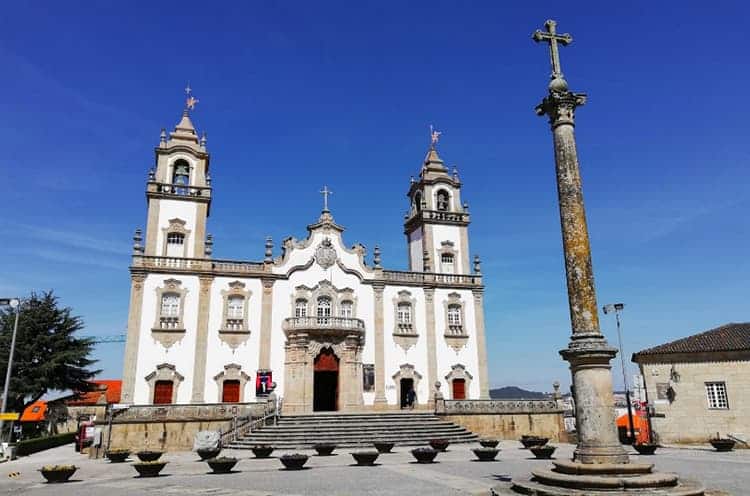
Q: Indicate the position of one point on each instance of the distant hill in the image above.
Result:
(515, 393)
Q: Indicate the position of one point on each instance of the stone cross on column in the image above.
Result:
(552, 38)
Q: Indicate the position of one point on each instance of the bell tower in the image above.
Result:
(436, 225)
(178, 193)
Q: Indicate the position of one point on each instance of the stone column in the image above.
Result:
(588, 353)
(350, 376)
(484, 386)
(295, 374)
(201, 339)
(380, 402)
(130, 363)
(266, 318)
(429, 297)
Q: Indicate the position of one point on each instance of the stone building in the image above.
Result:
(699, 385)
(332, 330)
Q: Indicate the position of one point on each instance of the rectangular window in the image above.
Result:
(300, 308)
(404, 314)
(717, 395)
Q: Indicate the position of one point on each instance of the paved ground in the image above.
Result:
(454, 474)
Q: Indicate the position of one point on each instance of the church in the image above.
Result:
(315, 321)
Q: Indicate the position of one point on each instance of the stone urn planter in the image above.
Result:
(486, 454)
(222, 465)
(149, 456)
(646, 448)
(262, 451)
(366, 458)
(489, 443)
(543, 452)
(149, 469)
(205, 454)
(722, 444)
(383, 446)
(424, 455)
(439, 444)
(295, 461)
(118, 456)
(324, 449)
(58, 473)
(530, 441)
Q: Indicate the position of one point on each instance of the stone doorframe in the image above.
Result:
(232, 371)
(406, 371)
(458, 371)
(164, 372)
(299, 376)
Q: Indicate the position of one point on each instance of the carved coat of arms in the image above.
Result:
(325, 254)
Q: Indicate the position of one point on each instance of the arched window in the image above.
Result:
(346, 309)
(181, 173)
(170, 305)
(443, 200)
(235, 307)
(454, 316)
(404, 314)
(418, 201)
(300, 308)
(446, 262)
(324, 309)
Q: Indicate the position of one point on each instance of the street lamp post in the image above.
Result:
(14, 303)
(617, 308)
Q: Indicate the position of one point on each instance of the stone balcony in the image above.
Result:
(441, 216)
(325, 326)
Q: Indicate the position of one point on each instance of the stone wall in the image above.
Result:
(506, 419)
(687, 418)
(173, 427)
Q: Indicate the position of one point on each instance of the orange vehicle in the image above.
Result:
(640, 426)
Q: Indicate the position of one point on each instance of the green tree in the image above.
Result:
(48, 354)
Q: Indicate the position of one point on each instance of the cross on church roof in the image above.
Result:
(552, 38)
(325, 192)
(191, 100)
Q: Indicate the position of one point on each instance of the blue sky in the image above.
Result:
(297, 94)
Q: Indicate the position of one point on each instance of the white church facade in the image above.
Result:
(330, 329)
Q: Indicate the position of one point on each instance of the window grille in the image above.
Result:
(717, 395)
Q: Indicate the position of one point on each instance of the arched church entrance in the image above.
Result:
(326, 381)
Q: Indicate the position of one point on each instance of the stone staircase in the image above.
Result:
(350, 430)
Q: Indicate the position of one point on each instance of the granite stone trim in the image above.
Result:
(164, 372)
(130, 362)
(201, 339)
(231, 372)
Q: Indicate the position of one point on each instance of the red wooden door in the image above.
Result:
(459, 389)
(163, 392)
(231, 392)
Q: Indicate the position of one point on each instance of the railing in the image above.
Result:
(235, 325)
(440, 215)
(473, 407)
(339, 323)
(244, 425)
(432, 277)
(197, 264)
(169, 323)
(455, 330)
(180, 190)
(404, 328)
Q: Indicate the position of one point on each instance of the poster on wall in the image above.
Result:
(263, 382)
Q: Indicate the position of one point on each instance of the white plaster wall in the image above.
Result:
(442, 233)
(171, 209)
(447, 356)
(395, 356)
(151, 353)
(415, 250)
(219, 353)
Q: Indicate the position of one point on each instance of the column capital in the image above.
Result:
(560, 107)
(268, 283)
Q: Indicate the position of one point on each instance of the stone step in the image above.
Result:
(355, 430)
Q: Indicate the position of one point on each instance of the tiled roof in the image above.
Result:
(729, 337)
(107, 391)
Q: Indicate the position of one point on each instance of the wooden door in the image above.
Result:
(459, 389)
(163, 392)
(231, 392)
